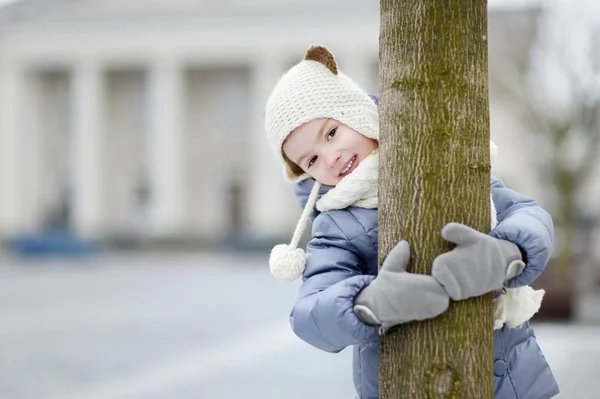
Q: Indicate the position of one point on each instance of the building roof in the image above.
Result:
(85, 12)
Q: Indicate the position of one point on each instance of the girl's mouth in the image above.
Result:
(350, 167)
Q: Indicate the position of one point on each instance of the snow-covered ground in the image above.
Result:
(184, 326)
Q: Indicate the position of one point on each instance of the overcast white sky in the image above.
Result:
(492, 3)
(3, 2)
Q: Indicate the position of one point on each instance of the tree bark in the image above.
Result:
(435, 168)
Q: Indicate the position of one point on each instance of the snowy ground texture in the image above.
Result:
(183, 326)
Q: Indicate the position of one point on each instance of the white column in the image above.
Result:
(12, 157)
(166, 150)
(33, 135)
(272, 209)
(87, 100)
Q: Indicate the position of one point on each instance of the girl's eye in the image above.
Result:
(312, 161)
(331, 133)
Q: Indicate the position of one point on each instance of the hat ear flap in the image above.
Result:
(287, 262)
(322, 55)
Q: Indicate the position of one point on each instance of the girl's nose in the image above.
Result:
(332, 159)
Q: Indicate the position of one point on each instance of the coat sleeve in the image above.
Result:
(523, 222)
(323, 314)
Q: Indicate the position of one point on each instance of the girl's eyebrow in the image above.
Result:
(319, 135)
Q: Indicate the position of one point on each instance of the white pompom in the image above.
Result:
(516, 306)
(287, 263)
(521, 304)
(493, 153)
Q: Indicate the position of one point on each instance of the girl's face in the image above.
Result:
(327, 150)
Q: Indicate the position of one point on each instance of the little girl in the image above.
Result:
(325, 131)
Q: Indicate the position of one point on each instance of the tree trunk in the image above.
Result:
(435, 168)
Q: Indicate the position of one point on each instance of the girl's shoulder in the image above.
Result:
(352, 222)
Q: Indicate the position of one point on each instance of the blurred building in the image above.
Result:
(145, 118)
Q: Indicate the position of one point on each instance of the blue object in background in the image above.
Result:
(51, 243)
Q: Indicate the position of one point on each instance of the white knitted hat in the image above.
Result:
(312, 89)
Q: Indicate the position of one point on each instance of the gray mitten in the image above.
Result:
(477, 265)
(396, 296)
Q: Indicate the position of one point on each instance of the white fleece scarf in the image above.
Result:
(359, 188)
(513, 307)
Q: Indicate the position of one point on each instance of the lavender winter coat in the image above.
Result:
(341, 259)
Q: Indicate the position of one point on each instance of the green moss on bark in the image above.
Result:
(435, 169)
